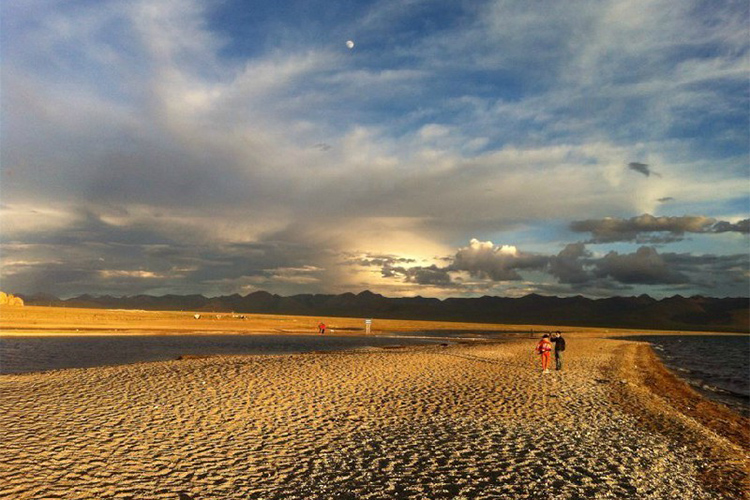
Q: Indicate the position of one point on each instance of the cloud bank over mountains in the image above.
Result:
(186, 146)
(578, 267)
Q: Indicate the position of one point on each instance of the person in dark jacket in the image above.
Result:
(559, 342)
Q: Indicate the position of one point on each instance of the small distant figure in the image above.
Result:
(321, 328)
(543, 348)
(559, 342)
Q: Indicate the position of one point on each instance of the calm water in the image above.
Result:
(718, 366)
(31, 354)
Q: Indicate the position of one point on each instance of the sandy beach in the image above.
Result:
(464, 421)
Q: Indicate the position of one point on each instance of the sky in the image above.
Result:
(458, 149)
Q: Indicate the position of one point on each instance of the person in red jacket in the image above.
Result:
(321, 328)
(543, 348)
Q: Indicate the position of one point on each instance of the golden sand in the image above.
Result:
(465, 421)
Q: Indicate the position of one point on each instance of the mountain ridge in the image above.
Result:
(695, 313)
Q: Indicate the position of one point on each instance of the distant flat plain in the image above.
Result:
(39, 320)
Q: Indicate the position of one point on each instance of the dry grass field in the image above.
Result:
(39, 320)
(61, 320)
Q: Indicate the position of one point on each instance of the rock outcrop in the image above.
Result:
(7, 299)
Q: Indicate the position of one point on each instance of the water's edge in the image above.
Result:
(713, 375)
(20, 355)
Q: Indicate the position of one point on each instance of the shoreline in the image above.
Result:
(738, 402)
(664, 402)
(362, 413)
(104, 351)
(738, 406)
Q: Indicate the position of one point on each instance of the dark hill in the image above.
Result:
(673, 313)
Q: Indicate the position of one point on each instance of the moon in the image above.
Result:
(350, 44)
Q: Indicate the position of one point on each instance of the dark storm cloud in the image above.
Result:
(713, 271)
(576, 266)
(430, 275)
(48, 276)
(645, 267)
(641, 168)
(568, 265)
(742, 226)
(642, 228)
(373, 260)
(90, 227)
(392, 266)
(91, 255)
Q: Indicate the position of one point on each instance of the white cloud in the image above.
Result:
(499, 263)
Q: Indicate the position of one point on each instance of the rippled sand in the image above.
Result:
(467, 421)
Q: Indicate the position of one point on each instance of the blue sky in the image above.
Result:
(458, 149)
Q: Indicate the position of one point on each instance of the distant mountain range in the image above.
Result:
(673, 313)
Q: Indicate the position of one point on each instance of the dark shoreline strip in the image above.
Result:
(737, 402)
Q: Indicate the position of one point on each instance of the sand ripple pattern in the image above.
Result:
(435, 422)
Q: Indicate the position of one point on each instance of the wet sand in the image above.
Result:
(464, 421)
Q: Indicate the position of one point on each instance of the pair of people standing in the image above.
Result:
(544, 349)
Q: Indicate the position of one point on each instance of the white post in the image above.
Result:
(368, 324)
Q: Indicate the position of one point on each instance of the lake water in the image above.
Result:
(718, 366)
(33, 354)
